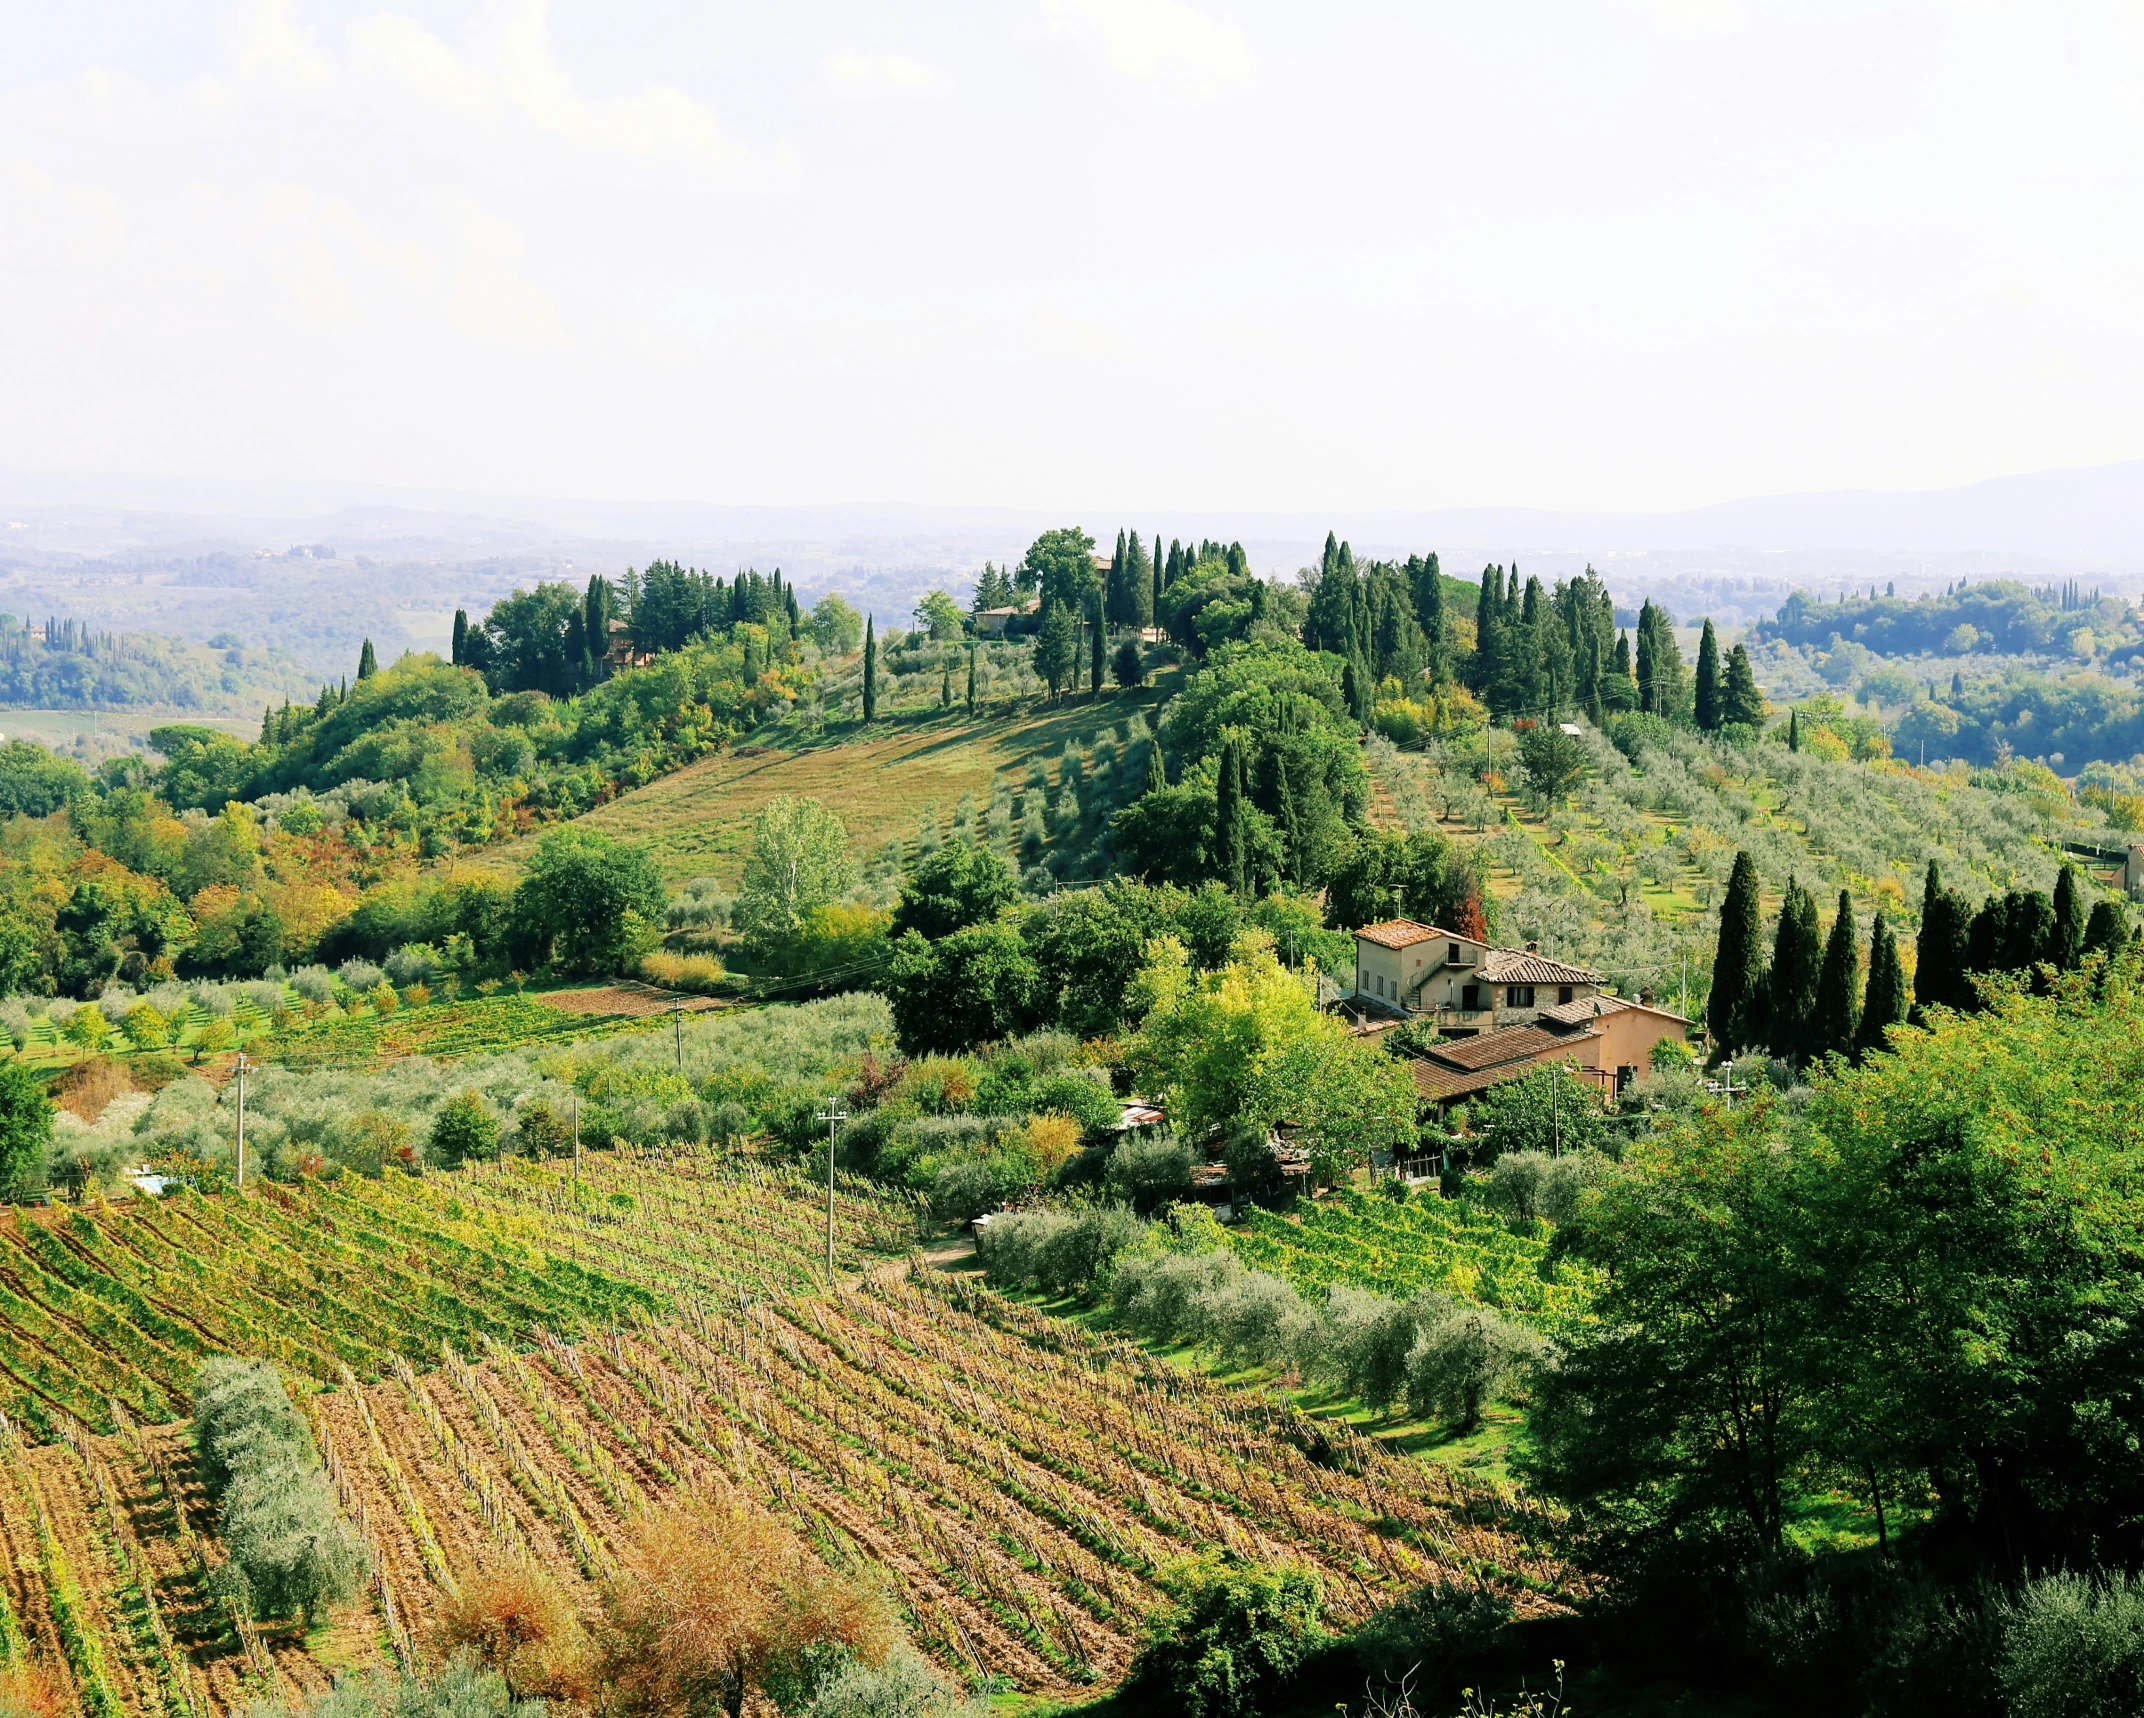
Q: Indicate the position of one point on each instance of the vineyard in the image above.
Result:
(515, 1365)
(1370, 1242)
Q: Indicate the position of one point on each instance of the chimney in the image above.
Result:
(1645, 999)
(1533, 948)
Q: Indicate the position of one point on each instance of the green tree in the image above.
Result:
(2107, 932)
(1060, 566)
(1057, 648)
(25, 1129)
(954, 885)
(939, 616)
(1838, 1010)
(2068, 943)
(1710, 692)
(459, 650)
(1939, 975)
(1790, 990)
(1227, 1639)
(1128, 671)
(971, 682)
(1884, 1004)
(594, 905)
(1735, 1009)
(1554, 761)
(836, 627)
(1231, 835)
(976, 985)
(464, 1129)
(1741, 703)
(1097, 644)
(871, 669)
(368, 664)
(1089, 944)
(798, 860)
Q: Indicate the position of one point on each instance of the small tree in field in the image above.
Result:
(464, 1129)
(25, 1128)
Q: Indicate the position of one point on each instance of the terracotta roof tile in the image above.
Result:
(1398, 933)
(1516, 966)
(1494, 1049)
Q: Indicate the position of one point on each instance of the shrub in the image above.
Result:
(962, 1192)
(1441, 1627)
(1063, 1252)
(2073, 1647)
(516, 1622)
(701, 973)
(315, 984)
(146, 1028)
(278, 1516)
(359, 975)
(1227, 1639)
(412, 963)
(1462, 1357)
(462, 1690)
(1148, 1173)
(905, 1686)
(464, 1128)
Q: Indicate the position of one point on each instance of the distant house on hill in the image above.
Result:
(1499, 1013)
(1005, 622)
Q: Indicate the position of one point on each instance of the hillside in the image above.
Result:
(881, 783)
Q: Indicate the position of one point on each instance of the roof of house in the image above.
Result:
(1434, 1084)
(1494, 1049)
(1399, 933)
(1522, 966)
(1586, 1008)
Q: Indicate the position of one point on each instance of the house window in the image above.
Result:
(1470, 996)
(1380, 984)
(1453, 957)
(1563, 993)
(1519, 996)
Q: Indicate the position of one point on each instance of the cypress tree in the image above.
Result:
(945, 687)
(1794, 730)
(1884, 1004)
(461, 637)
(1741, 704)
(1157, 772)
(368, 664)
(1114, 597)
(1737, 966)
(1488, 622)
(1710, 693)
(1159, 583)
(2068, 950)
(971, 680)
(2107, 933)
(1094, 651)
(1838, 1010)
(870, 668)
(1231, 821)
(1939, 976)
(1797, 956)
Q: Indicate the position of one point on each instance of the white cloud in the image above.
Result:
(270, 47)
(391, 45)
(853, 74)
(1159, 42)
(492, 299)
(84, 224)
(1693, 20)
(660, 124)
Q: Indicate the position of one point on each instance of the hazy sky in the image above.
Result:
(1082, 252)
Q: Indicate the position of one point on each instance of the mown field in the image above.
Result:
(511, 1365)
(700, 818)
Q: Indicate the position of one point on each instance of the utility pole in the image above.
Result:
(241, 1121)
(1686, 984)
(677, 1019)
(576, 1148)
(833, 1118)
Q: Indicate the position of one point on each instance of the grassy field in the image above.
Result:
(879, 784)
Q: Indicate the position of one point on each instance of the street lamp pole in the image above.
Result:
(833, 1118)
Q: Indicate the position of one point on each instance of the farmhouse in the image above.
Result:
(1500, 1013)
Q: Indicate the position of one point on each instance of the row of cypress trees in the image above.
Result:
(1808, 1001)
(1803, 1004)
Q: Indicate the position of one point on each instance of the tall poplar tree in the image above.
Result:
(1736, 1005)
(971, 681)
(1797, 957)
(368, 664)
(1095, 646)
(460, 655)
(871, 668)
(1884, 1004)
(1838, 1009)
(1709, 689)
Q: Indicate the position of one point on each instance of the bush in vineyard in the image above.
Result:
(517, 1623)
(279, 1518)
(714, 1603)
(461, 1690)
(905, 1686)
(1228, 1639)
